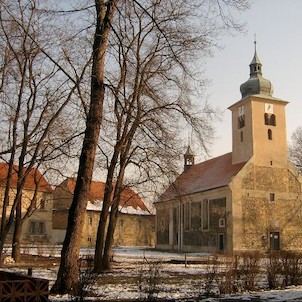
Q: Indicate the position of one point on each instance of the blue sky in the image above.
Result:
(278, 28)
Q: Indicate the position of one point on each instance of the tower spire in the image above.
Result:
(256, 84)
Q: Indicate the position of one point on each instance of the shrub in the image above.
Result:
(291, 268)
(86, 280)
(274, 270)
(149, 280)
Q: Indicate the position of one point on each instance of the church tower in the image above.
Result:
(258, 122)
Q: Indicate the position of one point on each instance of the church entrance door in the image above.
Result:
(274, 240)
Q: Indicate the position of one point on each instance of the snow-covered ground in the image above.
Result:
(182, 280)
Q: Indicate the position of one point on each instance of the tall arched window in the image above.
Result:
(269, 134)
(266, 119)
(241, 121)
(241, 136)
(273, 120)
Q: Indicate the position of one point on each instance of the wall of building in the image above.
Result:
(252, 138)
(62, 198)
(131, 230)
(271, 202)
(199, 222)
(37, 228)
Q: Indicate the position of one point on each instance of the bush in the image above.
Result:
(149, 280)
(209, 281)
(86, 280)
(274, 270)
(249, 270)
(291, 268)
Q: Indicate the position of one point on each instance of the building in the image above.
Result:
(249, 199)
(37, 195)
(135, 225)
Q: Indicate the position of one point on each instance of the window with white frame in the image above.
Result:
(221, 222)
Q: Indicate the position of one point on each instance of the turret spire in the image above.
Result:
(188, 158)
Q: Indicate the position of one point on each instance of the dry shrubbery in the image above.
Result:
(238, 273)
(251, 271)
(149, 280)
(222, 274)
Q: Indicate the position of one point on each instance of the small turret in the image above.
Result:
(188, 158)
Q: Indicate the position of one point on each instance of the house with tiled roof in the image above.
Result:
(36, 198)
(249, 199)
(135, 224)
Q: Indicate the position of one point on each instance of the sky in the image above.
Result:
(277, 25)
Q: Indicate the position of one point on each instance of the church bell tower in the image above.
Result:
(258, 122)
(189, 157)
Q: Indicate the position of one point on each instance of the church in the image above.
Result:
(246, 200)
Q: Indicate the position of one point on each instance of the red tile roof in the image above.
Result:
(214, 173)
(33, 177)
(128, 197)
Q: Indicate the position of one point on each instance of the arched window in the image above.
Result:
(273, 120)
(241, 121)
(241, 136)
(266, 119)
(269, 134)
(269, 119)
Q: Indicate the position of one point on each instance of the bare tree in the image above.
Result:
(67, 278)
(295, 148)
(32, 105)
(104, 13)
(155, 47)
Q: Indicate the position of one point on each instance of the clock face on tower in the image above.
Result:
(269, 108)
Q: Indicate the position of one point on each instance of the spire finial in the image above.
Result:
(190, 134)
(255, 42)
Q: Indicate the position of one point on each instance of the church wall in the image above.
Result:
(250, 136)
(242, 150)
(271, 204)
(269, 152)
(201, 225)
(162, 225)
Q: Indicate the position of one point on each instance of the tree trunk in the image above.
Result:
(100, 238)
(102, 258)
(16, 248)
(67, 279)
(2, 241)
(106, 260)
